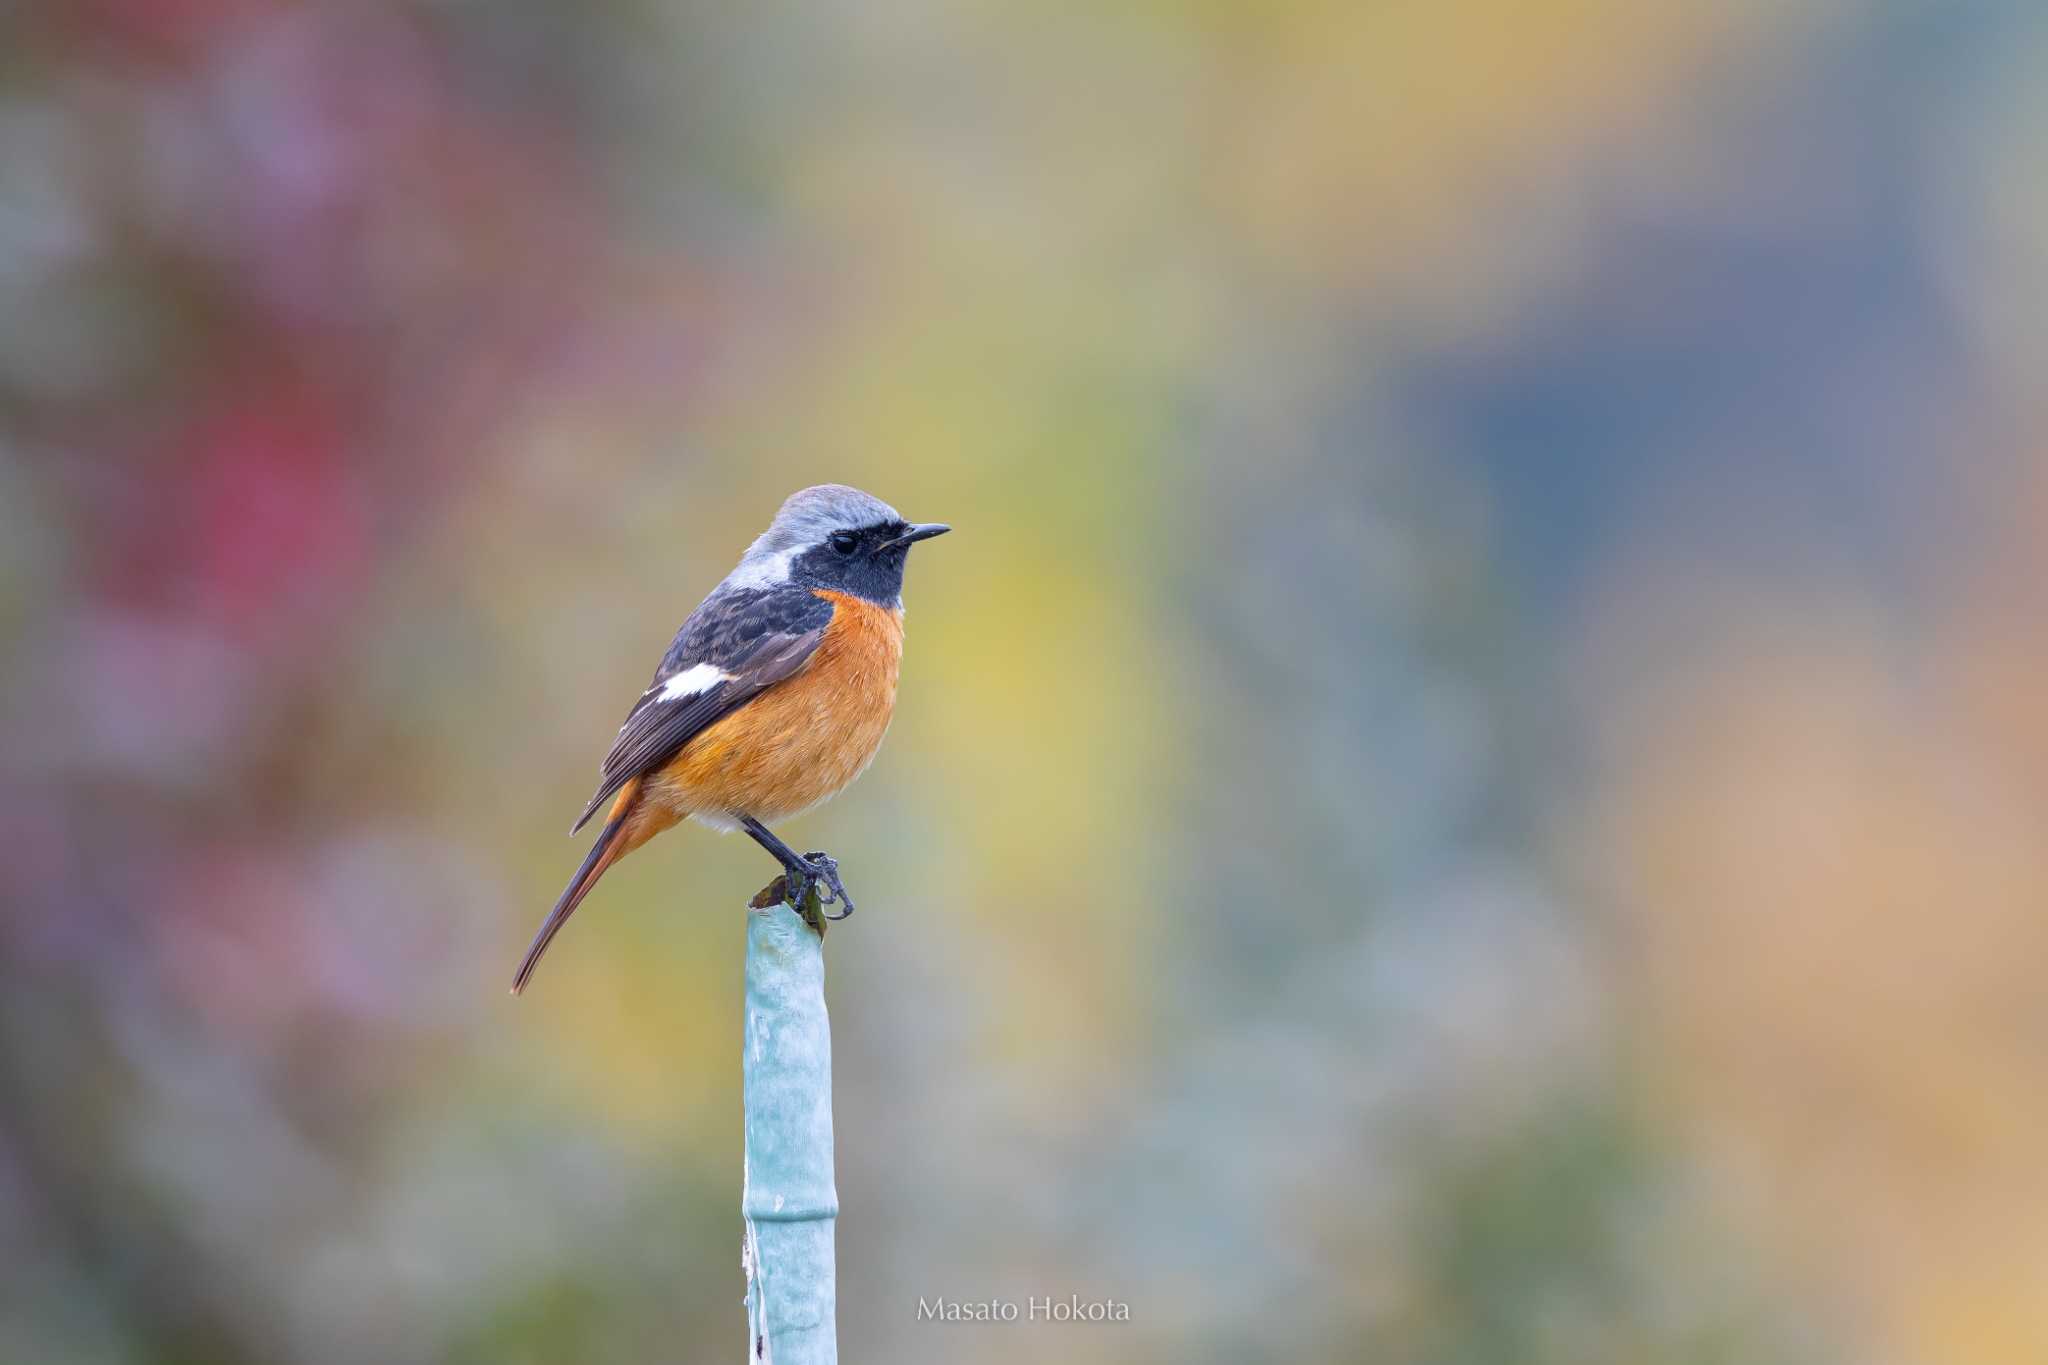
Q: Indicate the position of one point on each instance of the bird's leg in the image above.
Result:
(793, 863)
(803, 870)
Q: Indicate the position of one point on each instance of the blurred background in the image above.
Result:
(1470, 789)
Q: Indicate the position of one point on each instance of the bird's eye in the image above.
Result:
(844, 542)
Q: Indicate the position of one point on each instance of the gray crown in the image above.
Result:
(807, 517)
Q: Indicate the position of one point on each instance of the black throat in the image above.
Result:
(869, 567)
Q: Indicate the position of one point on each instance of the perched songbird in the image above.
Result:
(773, 697)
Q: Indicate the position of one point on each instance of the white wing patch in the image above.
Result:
(692, 680)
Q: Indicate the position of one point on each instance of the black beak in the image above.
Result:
(916, 533)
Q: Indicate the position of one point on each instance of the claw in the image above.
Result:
(826, 869)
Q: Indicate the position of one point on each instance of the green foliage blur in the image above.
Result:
(1468, 789)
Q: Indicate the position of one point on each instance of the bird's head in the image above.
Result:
(835, 537)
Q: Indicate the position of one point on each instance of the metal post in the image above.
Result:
(789, 1198)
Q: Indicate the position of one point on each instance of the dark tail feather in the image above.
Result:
(602, 854)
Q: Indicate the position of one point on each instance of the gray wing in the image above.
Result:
(735, 646)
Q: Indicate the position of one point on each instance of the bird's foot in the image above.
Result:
(821, 871)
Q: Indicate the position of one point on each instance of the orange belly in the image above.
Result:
(801, 741)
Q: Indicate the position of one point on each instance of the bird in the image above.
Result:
(773, 696)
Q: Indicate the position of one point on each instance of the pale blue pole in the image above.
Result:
(789, 1199)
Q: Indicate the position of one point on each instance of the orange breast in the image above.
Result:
(803, 739)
